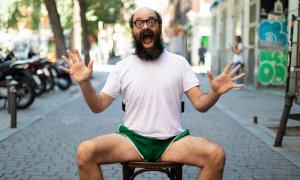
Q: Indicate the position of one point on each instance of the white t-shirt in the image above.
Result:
(238, 57)
(152, 93)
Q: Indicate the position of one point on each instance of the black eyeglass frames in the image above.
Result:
(140, 23)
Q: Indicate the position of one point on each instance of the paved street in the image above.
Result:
(46, 149)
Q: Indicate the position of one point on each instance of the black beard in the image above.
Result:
(151, 54)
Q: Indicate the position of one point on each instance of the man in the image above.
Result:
(202, 53)
(151, 83)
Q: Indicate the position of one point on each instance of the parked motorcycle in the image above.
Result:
(41, 75)
(62, 79)
(19, 72)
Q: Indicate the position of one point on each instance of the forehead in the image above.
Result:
(144, 13)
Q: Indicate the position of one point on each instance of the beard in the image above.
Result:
(148, 54)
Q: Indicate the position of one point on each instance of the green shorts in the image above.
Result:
(150, 149)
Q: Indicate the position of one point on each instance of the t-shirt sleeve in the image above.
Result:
(189, 77)
(112, 85)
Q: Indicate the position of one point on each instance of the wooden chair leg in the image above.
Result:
(178, 173)
(126, 173)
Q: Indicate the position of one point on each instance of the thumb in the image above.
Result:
(210, 75)
(90, 65)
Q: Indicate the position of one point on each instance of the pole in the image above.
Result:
(13, 103)
(284, 118)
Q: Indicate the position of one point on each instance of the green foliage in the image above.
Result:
(29, 12)
(109, 12)
(65, 11)
(12, 21)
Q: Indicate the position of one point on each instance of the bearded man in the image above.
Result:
(151, 83)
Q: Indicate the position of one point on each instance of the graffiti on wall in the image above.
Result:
(273, 33)
(273, 41)
(272, 67)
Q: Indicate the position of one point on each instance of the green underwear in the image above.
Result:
(150, 149)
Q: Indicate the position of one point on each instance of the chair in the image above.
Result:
(173, 170)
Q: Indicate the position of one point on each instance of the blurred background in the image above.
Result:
(100, 30)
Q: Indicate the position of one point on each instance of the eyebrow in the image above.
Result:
(151, 17)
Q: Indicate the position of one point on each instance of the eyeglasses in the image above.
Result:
(140, 23)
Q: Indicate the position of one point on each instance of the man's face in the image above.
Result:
(146, 34)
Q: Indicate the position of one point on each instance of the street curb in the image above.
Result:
(6, 132)
(263, 134)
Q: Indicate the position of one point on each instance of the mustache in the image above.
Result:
(145, 32)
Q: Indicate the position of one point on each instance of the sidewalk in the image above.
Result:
(50, 130)
(267, 105)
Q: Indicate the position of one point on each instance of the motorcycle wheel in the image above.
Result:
(49, 83)
(25, 92)
(63, 82)
(40, 84)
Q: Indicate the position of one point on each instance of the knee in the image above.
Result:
(217, 157)
(85, 153)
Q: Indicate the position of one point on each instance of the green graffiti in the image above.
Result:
(272, 68)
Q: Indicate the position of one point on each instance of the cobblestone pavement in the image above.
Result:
(46, 149)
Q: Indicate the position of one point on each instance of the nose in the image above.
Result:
(145, 26)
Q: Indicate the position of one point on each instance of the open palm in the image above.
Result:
(77, 69)
(225, 81)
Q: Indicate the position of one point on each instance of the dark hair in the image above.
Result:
(238, 39)
(157, 15)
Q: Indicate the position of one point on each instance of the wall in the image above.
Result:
(273, 41)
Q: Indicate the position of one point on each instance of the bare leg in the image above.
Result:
(197, 151)
(107, 149)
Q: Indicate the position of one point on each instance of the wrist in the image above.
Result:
(84, 82)
(215, 93)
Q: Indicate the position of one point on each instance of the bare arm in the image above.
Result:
(235, 50)
(81, 74)
(219, 85)
(202, 101)
(96, 101)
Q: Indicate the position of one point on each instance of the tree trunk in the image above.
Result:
(84, 33)
(60, 45)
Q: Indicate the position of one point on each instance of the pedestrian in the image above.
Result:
(151, 83)
(237, 49)
(202, 53)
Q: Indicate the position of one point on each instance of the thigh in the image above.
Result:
(190, 150)
(111, 148)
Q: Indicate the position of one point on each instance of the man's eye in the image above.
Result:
(139, 23)
(151, 21)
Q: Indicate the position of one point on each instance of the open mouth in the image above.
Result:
(147, 37)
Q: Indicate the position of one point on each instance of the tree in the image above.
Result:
(84, 33)
(60, 45)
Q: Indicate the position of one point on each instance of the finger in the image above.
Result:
(236, 69)
(78, 56)
(64, 69)
(72, 57)
(210, 75)
(90, 65)
(235, 86)
(238, 77)
(228, 67)
(66, 61)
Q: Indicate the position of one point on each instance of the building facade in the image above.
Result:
(263, 26)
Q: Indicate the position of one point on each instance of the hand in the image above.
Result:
(77, 68)
(225, 81)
